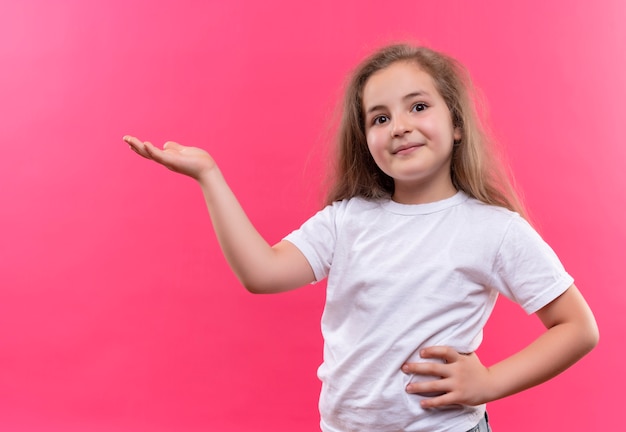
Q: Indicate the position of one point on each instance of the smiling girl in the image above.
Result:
(421, 232)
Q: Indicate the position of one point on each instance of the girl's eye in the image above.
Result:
(380, 120)
(419, 107)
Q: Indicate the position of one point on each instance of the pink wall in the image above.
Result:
(117, 311)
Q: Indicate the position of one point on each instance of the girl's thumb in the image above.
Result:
(172, 145)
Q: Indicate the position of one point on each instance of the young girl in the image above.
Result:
(422, 231)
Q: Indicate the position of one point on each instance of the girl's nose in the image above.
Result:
(400, 126)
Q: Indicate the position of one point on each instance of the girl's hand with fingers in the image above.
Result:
(190, 161)
(464, 380)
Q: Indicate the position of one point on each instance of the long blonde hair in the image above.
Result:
(476, 168)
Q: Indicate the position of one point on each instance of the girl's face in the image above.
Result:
(409, 132)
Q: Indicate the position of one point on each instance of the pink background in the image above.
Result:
(117, 310)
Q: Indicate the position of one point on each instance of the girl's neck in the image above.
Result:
(419, 194)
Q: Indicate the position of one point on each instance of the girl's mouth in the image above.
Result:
(406, 148)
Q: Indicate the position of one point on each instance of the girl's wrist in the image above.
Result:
(209, 176)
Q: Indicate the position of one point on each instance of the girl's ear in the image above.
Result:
(458, 134)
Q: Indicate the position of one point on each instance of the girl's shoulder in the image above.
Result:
(486, 220)
(483, 209)
(354, 205)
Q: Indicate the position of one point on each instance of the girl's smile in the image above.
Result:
(407, 148)
(409, 132)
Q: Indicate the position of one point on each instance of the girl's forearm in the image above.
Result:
(549, 355)
(560, 346)
(260, 267)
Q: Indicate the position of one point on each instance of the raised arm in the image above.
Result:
(571, 332)
(261, 268)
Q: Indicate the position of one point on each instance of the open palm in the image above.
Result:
(191, 161)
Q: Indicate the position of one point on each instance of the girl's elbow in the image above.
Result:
(592, 331)
(260, 286)
(593, 335)
(254, 287)
(587, 336)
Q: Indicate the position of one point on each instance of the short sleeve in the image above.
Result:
(526, 269)
(316, 239)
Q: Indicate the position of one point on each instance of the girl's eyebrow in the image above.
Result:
(408, 96)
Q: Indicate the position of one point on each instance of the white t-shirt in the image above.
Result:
(405, 277)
